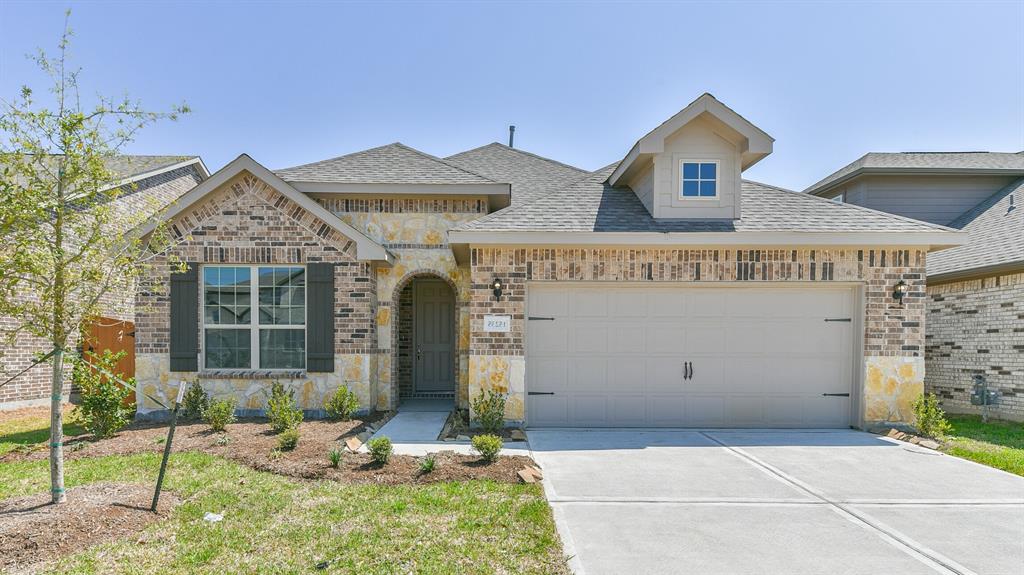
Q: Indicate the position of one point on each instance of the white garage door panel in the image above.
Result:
(762, 357)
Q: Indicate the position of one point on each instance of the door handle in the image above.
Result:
(419, 354)
(691, 370)
(687, 370)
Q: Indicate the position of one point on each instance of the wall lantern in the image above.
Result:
(496, 286)
(900, 290)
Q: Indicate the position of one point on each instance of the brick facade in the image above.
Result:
(977, 327)
(893, 333)
(144, 196)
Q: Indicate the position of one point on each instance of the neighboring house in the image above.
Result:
(975, 320)
(147, 181)
(662, 290)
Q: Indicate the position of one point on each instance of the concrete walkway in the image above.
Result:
(793, 502)
(414, 430)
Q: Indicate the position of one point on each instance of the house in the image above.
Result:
(145, 181)
(975, 293)
(662, 290)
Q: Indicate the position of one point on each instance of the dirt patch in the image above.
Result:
(252, 443)
(32, 531)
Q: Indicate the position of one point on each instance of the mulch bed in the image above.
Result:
(252, 443)
(33, 531)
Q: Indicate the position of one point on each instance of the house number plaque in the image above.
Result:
(500, 323)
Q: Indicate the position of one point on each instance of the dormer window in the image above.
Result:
(699, 179)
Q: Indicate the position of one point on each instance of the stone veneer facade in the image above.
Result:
(893, 363)
(976, 326)
(247, 222)
(33, 386)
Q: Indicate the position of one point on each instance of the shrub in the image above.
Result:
(104, 408)
(281, 409)
(931, 420)
(334, 457)
(341, 404)
(488, 446)
(489, 407)
(288, 439)
(220, 413)
(195, 402)
(380, 449)
(428, 463)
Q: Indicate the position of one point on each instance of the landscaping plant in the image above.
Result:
(488, 446)
(931, 420)
(104, 408)
(281, 409)
(195, 402)
(70, 253)
(288, 439)
(428, 463)
(220, 413)
(341, 404)
(334, 457)
(380, 449)
(489, 407)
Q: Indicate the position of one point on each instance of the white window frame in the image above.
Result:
(839, 198)
(718, 178)
(254, 326)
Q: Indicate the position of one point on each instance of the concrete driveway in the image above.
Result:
(787, 502)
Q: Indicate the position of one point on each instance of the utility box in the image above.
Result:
(981, 394)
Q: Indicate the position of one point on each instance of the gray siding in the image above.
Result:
(935, 199)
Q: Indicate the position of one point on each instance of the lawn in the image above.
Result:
(998, 444)
(25, 427)
(275, 524)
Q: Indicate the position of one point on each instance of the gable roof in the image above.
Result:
(593, 211)
(391, 164)
(366, 248)
(758, 143)
(529, 174)
(923, 163)
(995, 232)
(136, 167)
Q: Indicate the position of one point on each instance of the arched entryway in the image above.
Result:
(426, 330)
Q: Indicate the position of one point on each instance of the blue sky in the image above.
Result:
(299, 82)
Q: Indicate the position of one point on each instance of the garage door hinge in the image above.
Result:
(535, 318)
(845, 319)
(540, 393)
(835, 395)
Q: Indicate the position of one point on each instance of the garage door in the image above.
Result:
(672, 356)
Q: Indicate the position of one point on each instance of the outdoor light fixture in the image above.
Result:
(899, 291)
(496, 286)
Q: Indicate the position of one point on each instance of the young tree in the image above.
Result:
(68, 248)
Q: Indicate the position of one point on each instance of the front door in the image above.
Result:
(434, 324)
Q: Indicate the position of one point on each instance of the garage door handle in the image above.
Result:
(540, 393)
(835, 395)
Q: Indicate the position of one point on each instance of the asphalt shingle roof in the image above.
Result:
(995, 234)
(128, 166)
(924, 161)
(391, 164)
(529, 174)
(592, 205)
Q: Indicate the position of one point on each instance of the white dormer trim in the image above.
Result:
(756, 144)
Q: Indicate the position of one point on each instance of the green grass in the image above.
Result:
(273, 524)
(998, 444)
(31, 430)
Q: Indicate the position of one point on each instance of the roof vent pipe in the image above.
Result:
(511, 136)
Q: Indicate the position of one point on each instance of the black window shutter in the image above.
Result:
(320, 317)
(185, 319)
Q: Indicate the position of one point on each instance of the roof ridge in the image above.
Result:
(442, 161)
(336, 157)
(985, 205)
(851, 206)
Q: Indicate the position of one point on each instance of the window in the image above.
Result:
(840, 198)
(699, 179)
(274, 337)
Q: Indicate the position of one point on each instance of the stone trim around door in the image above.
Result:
(395, 305)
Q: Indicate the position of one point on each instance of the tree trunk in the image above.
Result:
(57, 429)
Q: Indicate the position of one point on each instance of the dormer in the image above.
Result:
(689, 167)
